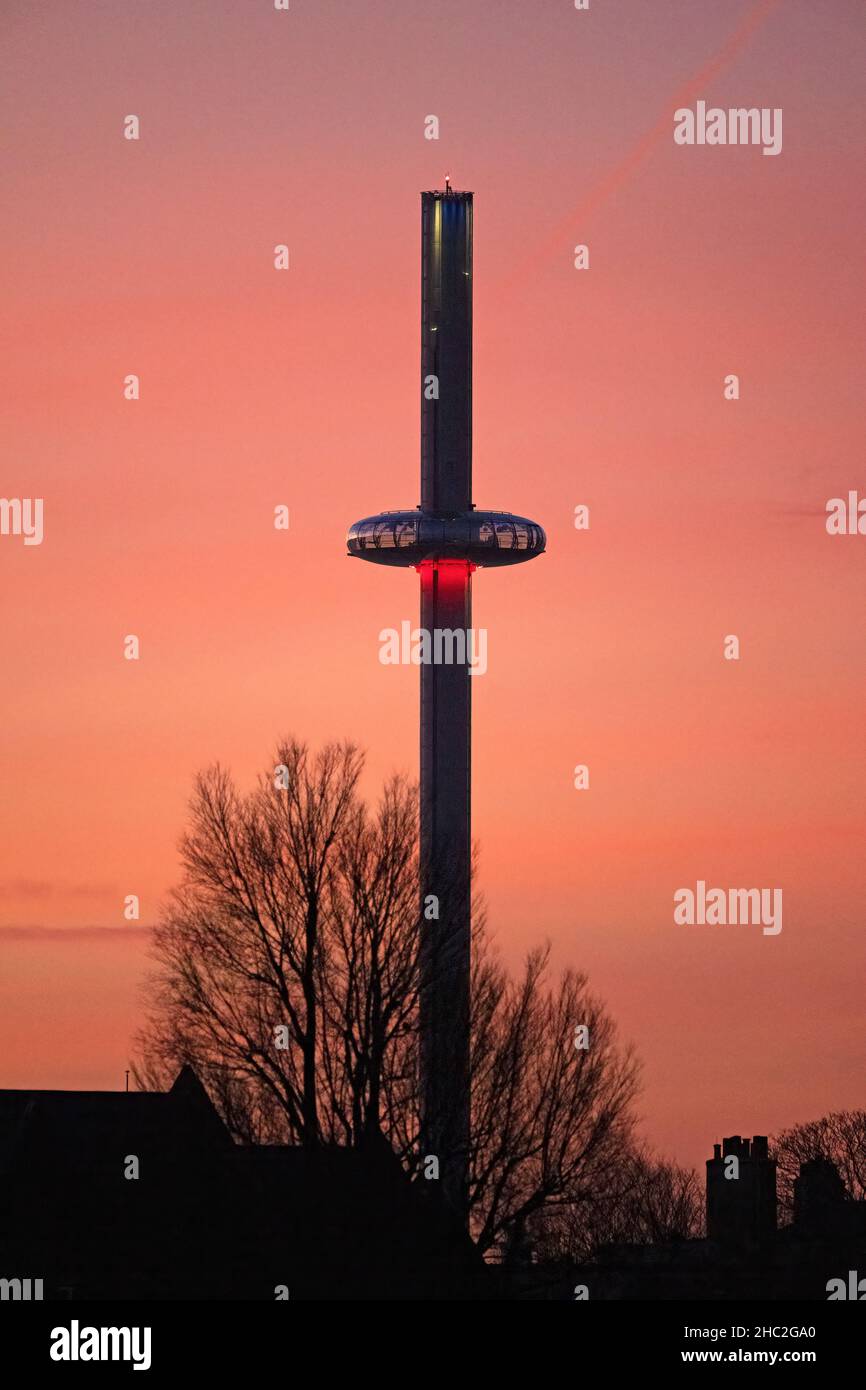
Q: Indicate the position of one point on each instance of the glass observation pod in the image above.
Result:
(409, 538)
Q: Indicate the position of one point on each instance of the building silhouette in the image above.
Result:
(741, 1192)
(820, 1198)
(207, 1218)
(745, 1255)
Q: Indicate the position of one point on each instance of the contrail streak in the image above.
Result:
(611, 181)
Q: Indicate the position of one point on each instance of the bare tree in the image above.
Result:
(660, 1202)
(839, 1137)
(551, 1121)
(647, 1201)
(369, 974)
(288, 978)
(242, 941)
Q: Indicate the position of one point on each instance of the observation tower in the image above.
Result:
(445, 539)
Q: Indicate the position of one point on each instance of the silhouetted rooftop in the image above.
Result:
(207, 1218)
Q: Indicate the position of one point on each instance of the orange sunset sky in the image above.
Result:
(601, 387)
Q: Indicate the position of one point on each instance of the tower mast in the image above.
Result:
(445, 539)
(446, 705)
